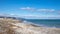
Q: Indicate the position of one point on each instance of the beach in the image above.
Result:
(14, 26)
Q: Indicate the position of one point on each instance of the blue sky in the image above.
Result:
(41, 9)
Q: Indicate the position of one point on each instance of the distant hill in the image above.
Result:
(18, 18)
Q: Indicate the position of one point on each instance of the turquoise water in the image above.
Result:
(46, 22)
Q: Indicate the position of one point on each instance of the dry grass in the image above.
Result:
(5, 26)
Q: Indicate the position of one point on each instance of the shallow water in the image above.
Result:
(46, 22)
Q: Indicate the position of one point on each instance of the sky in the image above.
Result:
(31, 9)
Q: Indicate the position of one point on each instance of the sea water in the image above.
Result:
(46, 22)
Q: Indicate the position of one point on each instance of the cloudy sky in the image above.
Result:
(35, 9)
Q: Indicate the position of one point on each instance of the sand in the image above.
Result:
(13, 26)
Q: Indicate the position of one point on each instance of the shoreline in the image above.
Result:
(14, 26)
(41, 25)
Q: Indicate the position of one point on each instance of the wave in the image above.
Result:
(40, 25)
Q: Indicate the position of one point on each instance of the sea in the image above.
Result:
(46, 22)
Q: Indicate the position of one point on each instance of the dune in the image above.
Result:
(14, 26)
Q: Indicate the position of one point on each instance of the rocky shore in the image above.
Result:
(13, 26)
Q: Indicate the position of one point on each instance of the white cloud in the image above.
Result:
(49, 10)
(35, 9)
(41, 16)
(27, 8)
(58, 12)
(14, 15)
